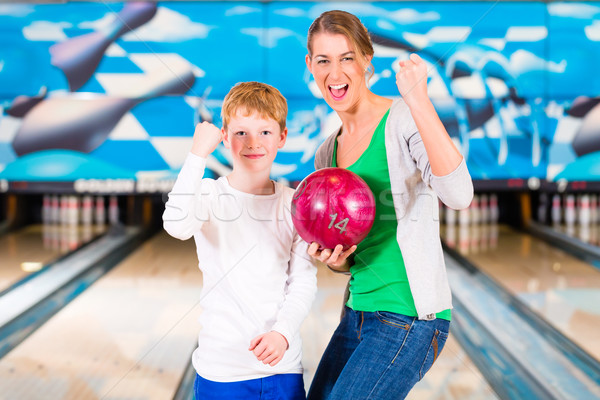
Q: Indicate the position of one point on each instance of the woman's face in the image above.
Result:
(338, 71)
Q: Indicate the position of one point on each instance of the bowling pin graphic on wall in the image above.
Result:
(82, 124)
(79, 57)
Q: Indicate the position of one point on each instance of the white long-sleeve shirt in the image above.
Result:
(257, 275)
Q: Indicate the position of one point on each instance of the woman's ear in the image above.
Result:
(307, 60)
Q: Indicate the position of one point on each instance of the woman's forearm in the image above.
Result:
(443, 155)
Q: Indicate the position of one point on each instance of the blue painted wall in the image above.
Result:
(514, 82)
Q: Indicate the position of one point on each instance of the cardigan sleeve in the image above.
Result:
(454, 189)
(324, 153)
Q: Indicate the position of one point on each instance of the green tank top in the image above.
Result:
(379, 281)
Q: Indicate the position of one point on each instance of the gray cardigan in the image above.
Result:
(415, 192)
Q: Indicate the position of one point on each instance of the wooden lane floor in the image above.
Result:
(34, 246)
(453, 376)
(129, 336)
(589, 234)
(562, 289)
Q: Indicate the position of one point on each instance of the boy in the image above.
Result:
(259, 282)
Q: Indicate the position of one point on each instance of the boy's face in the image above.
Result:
(253, 141)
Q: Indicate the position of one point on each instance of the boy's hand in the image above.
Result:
(336, 259)
(206, 139)
(269, 347)
(411, 79)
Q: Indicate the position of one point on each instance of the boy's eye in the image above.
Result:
(240, 133)
(265, 133)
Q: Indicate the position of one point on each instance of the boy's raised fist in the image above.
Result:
(206, 139)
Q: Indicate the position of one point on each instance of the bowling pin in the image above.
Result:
(87, 210)
(73, 211)
(47, 235)
(55, 209)
(450, 236)
(450, 216)
(570, 210)
(113, 210)
(494, 210)
(584, 233)
(593, 209)
(493, 235)
(474, 210)
(584, 210)
(72, 235)
(464, 217)
(78, 57)
(22, 104)
(82, 124)
(484, 209)
(64, 209)
(475, 237)
(100, 211)
(485, 237)
(556, 210)
(55, 236)
(86, 232)
(46, 209)
(598, 210)
(463, 239)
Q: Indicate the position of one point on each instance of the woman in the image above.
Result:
(397, 315)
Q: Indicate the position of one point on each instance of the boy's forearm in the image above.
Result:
(179, 215)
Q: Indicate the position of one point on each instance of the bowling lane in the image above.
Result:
(589, 234)
(129, 336)
(562, 289)
(39, 245)
(453, 376)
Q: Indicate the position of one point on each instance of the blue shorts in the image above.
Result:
(274, 387)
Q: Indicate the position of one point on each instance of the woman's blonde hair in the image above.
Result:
(254, 97)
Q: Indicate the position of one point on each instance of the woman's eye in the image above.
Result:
(347, 59)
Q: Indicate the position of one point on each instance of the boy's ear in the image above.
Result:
(307, 60)
(225, 138)
(284, 133)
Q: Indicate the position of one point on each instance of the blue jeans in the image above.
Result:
(274, 387)
(377, 355)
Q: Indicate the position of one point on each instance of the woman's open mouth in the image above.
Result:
(338, 91)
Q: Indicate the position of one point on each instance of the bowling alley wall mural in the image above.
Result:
(109, 93)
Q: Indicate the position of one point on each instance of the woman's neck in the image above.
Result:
(367, 112)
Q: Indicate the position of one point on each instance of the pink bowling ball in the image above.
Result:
(333, 206)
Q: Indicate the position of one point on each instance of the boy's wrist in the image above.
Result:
(287, 344)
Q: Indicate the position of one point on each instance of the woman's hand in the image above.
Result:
(206, 139)
(336, 259)
(411, 79)
(269, 347)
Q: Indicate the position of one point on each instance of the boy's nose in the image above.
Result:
(253, 143)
